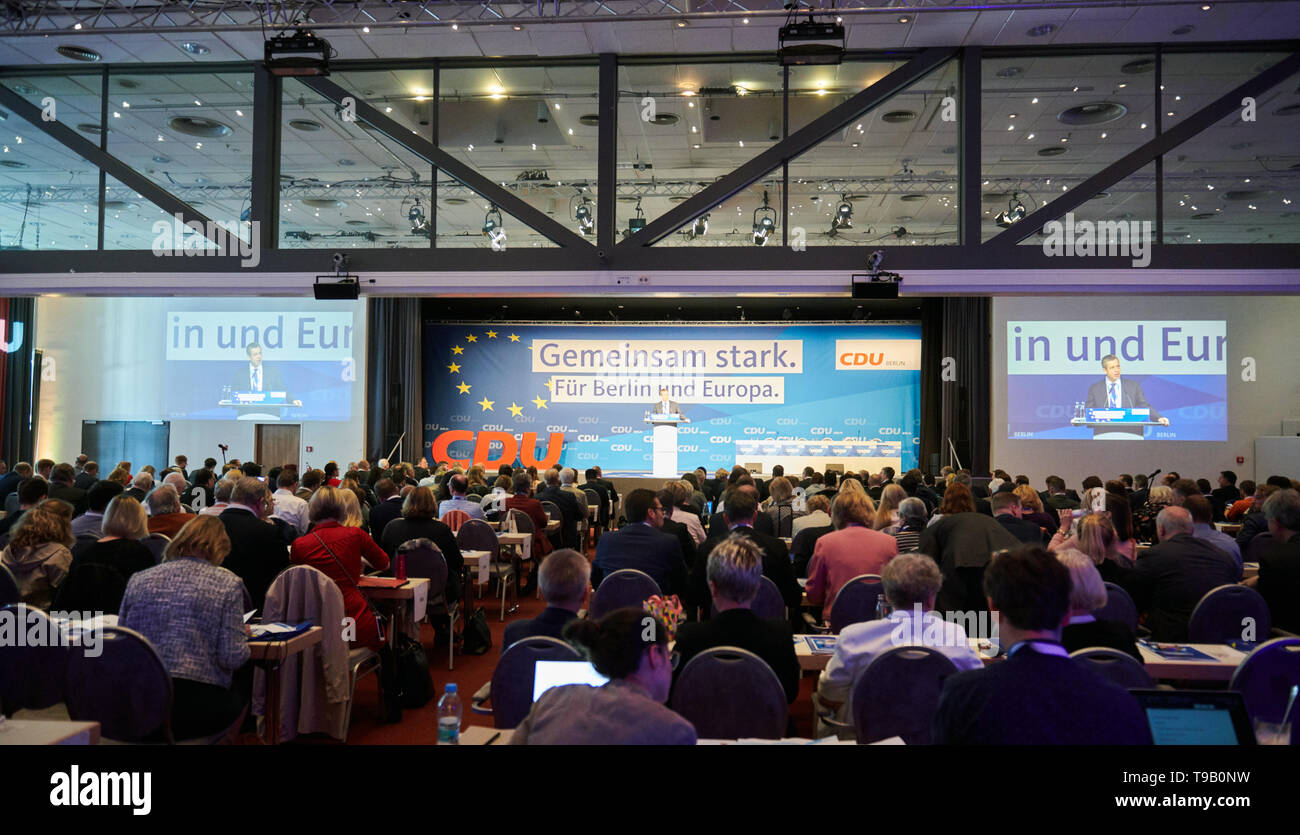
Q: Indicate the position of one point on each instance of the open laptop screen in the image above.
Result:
(1196, 717)
(548, 674)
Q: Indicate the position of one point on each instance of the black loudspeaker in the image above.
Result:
(336, 291)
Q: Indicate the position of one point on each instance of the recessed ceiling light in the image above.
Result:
(1092, 113)
(1051, 151)
(198, 126)
(895, 117)
(90, 127)
(1030, 136)
(306, 125)
(681, 24)
(1138, 66)
(1039, 31)
(160, 159)
(589, 119)
(323, 203)
(1205, 8)
(1183, 30)
(365, 30)
(1288, 110)
(195, 48)
(12, 163)
(1010, 72)
(78, 53)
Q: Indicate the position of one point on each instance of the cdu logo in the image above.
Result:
(620, 430)
(821, 430)
(787, 421)
(855, 421)
(719, 439)
(588, 438)
(557, 429)
(588, 419)
(755, 430)
(459, 418)
(620, 447)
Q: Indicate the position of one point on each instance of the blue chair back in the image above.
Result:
(31, 677)
(622, 588)
(731, 693)
(477, 535)
(1119, 667)
(1265, 678)
(512, 680)
(424, 559)
(126, 689)
(768, 603)
(1119, 608)
(1229, 613)
(897, 693)
(855, 602)
(156, 543)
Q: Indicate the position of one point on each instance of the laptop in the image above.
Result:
(548, 674)
(1196, 717)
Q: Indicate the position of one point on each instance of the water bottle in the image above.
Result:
(449, 717)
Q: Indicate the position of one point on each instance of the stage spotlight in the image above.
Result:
(810, 42)
(299, 54)
(419, 223)
(1014, 213)
(701, 227)
(764, 222)
(843, 215)
(636, 223)
(583, 215)
(493, 227)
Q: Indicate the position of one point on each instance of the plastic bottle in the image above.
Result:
(449, 717)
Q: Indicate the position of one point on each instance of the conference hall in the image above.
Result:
(613, 372)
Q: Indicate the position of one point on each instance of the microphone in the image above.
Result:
(223, 447)
(1152, 477)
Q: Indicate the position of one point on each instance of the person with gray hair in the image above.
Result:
(911, 583)
(166, 516)
(913, 516)
(140, 486)
(735, 573)
(571, 510)
(1171, 578)
(568, 483)
(1279, 566)
(564, 580)
(1088, 594)
(177, 481)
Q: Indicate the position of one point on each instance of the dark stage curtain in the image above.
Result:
(18, 379)
(396, 393)
(956, 397)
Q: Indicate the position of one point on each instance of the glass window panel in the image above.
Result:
(1055, 121)
(191, 133)
(129, 221)
(343, 184)
(895, 169)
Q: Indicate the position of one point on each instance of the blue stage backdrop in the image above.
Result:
(798, 395)
(1180, 368)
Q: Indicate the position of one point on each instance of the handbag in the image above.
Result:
(477, 638)
(380, 624)
(413, 676)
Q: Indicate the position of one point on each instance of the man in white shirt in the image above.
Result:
(288, 506)
(458, 484)
(911, 582)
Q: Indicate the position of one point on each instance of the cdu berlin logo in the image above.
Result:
(459, 418)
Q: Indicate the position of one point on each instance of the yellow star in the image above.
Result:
(454, 368)
(539, 402)
(456, 349)
(516, 410)
(471, 338)
(550, 384)
(492, 334)
(463, 388)
(486, 404)
(514, 337)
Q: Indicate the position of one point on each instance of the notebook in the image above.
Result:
(1196, 717)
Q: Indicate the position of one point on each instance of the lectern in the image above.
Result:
(259, 405)
(1114, 424)
(665, 448)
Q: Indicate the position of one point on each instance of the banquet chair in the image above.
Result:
(1265, 678)
(1119, 608)
(126, 688)
(855, 602)
(1117, 666)
(622, 588)
(424, 559)
(511, 690)
(768, 603)
(897, 694)
(477, 535)
(731, 693)
(1225, 612)
(454, 519)
(31, 677)
(156, 543)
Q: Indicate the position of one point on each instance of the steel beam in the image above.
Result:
(265, 202)
(969, 147)
(490, 190)
(1142, 156)
(826, 125)
(109, 165)
(607, 154)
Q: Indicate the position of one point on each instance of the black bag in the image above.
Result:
(478, 635)
(413, 676)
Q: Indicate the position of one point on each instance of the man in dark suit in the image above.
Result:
(1137, 497)
(606, 499)
(741, 508)
(1038, 695)
(9, 481)
(1222, 497)
(201, 492)
(182, 464)
(734, 572)
(570, 512)
(963, 544)
(1118, 393)
(257, 550)
(87, 477)
(677, 529)
(388, 509)
(607, 484)
(1279, 567)
(1056, 497)
(640, 544)
(62, 486)
(1007, 512)
(1170, 579)
(665, 405)
(564, 578)
(255, 375)
(30, 493)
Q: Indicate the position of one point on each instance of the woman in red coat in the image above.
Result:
(336, 517)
